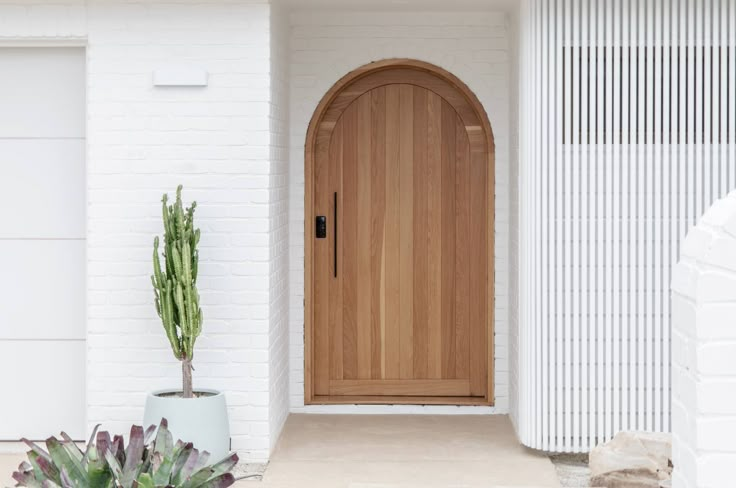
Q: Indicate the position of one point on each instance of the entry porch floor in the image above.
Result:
(394, 451)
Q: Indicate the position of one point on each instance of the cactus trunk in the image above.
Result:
(186, 378)
(175, 286)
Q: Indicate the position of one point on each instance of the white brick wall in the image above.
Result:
(703, 352)
(143, 141)
(42, 19)
(279, 212)
(327, 45)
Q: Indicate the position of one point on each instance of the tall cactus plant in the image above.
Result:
(175, 286)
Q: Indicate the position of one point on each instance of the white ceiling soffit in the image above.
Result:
(402, 5)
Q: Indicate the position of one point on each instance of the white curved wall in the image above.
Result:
(627, 136)
(704, 351)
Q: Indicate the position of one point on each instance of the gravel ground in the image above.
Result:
(572, 469)
(249, 471)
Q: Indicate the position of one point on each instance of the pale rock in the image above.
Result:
(632, 460)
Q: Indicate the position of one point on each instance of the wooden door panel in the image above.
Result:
(434, 234)
(420, 325)
(447, 258)
(378, 232)
(348, 235)
(400, 285)
(406, 231)
(392, 220)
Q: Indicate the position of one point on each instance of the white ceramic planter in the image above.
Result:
(202, 421)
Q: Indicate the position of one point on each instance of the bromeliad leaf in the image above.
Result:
(221, 481)
(104, 443)
(144, 481)
(162, 474)
(66, 481)
(35, 448)
(43, 469)
(118, 449)
(133, 457)
(25, 476)
(62, 459)
(114, 466)
(75, 452)
(204, 456)
(90, 443)
(188, 469)
(109, 464)
(148, 434)
(225, 465)
(180, 461)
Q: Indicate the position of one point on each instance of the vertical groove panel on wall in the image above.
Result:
(627, 115)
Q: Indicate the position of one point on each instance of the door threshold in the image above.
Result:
(398, 400)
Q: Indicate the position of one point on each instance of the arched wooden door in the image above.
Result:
(399, 239)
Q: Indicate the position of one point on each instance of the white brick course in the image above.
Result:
(278, 373)
(325, 46)
(703, 351)
(217, 141)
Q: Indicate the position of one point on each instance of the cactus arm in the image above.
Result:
(165, 211)
(192, 314)
(176, 258)
(168, 320)
(186, 264)
(159, 278)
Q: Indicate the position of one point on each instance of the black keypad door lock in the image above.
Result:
(321, 227)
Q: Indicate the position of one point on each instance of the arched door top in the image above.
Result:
(388, 71)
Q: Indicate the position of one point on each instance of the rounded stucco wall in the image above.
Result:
(704, 351)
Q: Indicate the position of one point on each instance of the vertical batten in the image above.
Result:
(542, 251)
(584, 236)
(609, 188)
(628, 114)
(534, 184)
(572, 170)
(625, 251)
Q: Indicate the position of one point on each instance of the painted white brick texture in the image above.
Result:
(703, 352)
(226, 143)
(326, 45)
(279, 216)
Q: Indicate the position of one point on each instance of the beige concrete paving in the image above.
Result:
(403, 451)
(8, 464)
(393, 451)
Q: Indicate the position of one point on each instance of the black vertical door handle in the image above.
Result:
(334, 236)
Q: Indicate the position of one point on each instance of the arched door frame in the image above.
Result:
(320, 127)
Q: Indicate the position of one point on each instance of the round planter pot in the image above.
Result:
(202, 421)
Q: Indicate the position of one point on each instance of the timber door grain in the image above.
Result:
(400, 163)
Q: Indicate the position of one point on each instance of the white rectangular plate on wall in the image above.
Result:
(180, 75)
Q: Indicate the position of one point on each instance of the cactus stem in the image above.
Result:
(186, 378)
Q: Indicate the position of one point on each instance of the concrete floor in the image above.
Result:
(394, 451)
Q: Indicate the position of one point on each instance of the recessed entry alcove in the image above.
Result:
(399, 172)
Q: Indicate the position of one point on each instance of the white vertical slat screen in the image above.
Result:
(627, 135)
